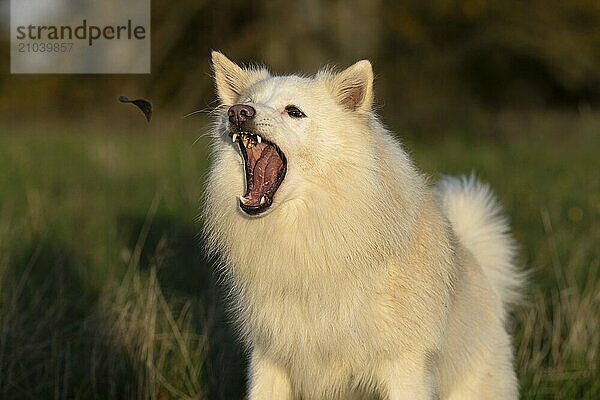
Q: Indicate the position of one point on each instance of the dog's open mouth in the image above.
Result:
(265, 167)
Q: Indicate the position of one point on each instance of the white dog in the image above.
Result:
(350, 276)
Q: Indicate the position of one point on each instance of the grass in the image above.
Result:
(105, 291)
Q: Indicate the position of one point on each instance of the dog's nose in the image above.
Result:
(240, 113)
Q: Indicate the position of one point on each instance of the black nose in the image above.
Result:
(240, 113)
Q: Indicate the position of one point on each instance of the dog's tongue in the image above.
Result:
(265, 164)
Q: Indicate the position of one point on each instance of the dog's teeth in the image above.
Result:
(263, 200)
(258, 139)
(243, 200)
(234, 137)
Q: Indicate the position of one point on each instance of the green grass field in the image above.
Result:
(105, 291)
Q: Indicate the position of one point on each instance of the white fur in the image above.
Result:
(476, 217)
(354, 284)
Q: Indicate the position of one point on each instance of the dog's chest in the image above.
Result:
(327, 325)
(325, 346)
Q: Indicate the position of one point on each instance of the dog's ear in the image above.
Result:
(353, 87)
(231, 79)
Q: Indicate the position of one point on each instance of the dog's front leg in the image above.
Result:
(406, 380)
(268, 381)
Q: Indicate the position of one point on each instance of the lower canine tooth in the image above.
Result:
(263, 200)
(234, 137)
(243, 200)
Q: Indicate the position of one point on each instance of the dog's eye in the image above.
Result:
(294, 112)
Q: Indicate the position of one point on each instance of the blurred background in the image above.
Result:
(105, 290)
(440, 64)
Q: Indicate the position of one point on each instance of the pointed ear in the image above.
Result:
(231, 79)
(353, 87)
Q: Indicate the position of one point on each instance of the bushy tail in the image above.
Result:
(476, 218)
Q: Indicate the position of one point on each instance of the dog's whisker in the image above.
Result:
(209, 111)
(192, 113)
(200, 137)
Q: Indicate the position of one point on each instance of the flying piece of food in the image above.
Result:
(144, 105)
